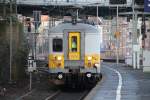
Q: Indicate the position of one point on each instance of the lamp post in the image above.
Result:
(10, 43)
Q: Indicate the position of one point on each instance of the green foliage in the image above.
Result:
(2, 27)
(20, 56)
(19, 63)
(20, 52)
(4, 59)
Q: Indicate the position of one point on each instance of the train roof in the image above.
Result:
(87, 28)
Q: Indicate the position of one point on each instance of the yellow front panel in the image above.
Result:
(56, 61)
(74, 50)
(91, 59)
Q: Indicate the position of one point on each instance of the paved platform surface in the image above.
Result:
(131, 84)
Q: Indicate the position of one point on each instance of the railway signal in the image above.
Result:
(31, 69)
(28, 23)
(31, 64)
(37, 19)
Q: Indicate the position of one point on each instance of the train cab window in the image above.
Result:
(57, 45)
(74, 44)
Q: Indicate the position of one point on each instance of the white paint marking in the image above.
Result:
(118, 91)
(24, 95)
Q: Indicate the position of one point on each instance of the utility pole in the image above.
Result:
(117, 39)
(37, 20)
(16, 10)
(30, 86)
(77, 14)
(4, 9)
(134, 36)
(10, 42)
(97, 14)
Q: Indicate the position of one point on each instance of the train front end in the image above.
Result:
(74, 54)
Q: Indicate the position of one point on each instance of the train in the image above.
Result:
(74, 53)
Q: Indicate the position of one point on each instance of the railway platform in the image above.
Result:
(121, 83)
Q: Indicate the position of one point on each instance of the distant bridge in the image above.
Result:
(70, 2)
(59, 7)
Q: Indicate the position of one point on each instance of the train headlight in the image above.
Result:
(60, 76)
(88, 75)
(59, 58)
(96, 65)
(89, 58)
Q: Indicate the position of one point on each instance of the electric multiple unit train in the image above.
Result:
(74, 52)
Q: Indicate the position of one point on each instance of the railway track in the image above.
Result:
(43, 90)
(83, 95)
(39, 95)
(46, 91)
(53, 95)
(68, 95)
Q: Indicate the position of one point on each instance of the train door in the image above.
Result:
(74, 46)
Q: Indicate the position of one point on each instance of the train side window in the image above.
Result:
(57, 45)
(74, 43)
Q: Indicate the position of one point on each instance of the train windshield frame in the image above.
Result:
(57, 45)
